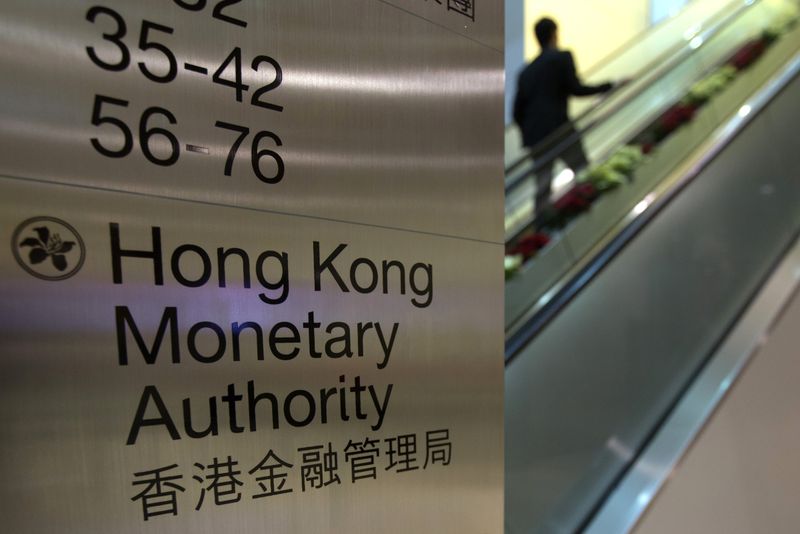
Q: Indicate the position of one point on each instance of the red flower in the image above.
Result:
(687, 111)
(530, 244)
(748, 54)
(576, 200)
(676, 116)
(586, 190)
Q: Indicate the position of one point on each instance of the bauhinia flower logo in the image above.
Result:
(48, 248)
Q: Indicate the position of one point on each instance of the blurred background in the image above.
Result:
(651, 302)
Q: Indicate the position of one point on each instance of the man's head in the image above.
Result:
(546, 32)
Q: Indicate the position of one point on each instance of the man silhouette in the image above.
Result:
(540, 108)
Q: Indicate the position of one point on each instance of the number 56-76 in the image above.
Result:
(168, 151)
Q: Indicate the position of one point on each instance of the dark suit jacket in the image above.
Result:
(543, 88)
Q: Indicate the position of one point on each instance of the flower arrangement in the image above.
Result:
(702, 91)
(615, 170)
(527, 247)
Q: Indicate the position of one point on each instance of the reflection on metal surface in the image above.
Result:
(409, 83)
(692, 32)
(643, 499)
(289, 313)
(620, 448)
(382, 86)
(640, 208)
(61, 365)
(563, 179)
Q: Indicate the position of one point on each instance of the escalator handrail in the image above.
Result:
(664, 62)
(577, 282)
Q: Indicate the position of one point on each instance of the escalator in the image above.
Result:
(637, 57)
(611, 320)
(645, 109)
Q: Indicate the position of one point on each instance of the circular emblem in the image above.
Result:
(48, 248)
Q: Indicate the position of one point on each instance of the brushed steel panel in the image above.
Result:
(390, 138)
(67, 404)
(388, 118)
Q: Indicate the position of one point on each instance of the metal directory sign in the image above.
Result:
(251, 272)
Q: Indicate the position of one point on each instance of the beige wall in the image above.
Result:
(595, 29)
(592, 29)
